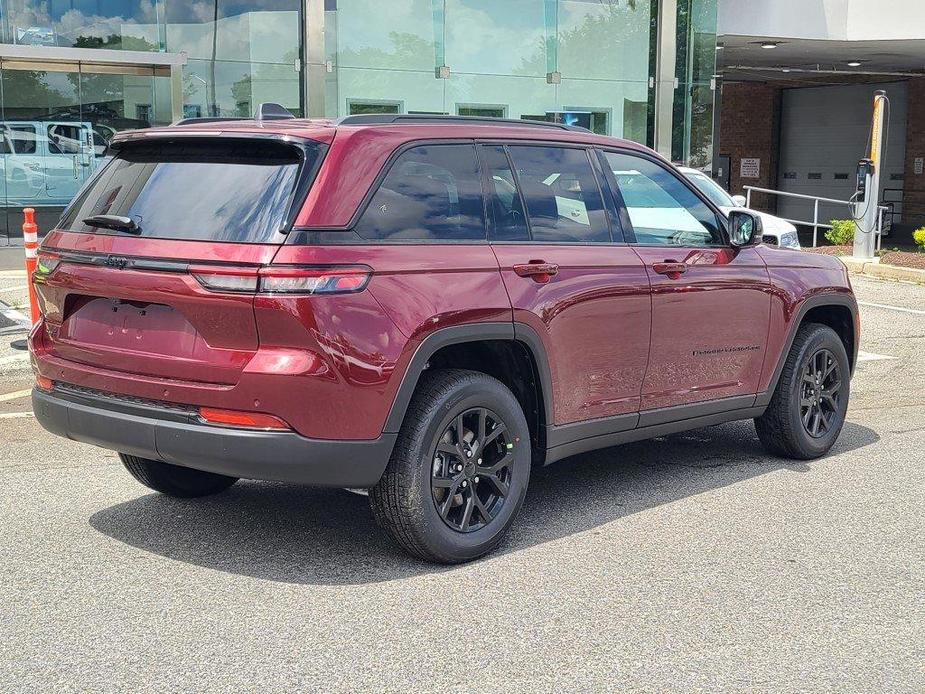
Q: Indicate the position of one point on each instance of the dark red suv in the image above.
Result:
(425, 307)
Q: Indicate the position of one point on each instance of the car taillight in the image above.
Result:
(314, 280)
(226, 279)
(251, 420)
(284, 279)
(47, 262)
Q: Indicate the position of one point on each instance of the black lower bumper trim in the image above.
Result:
(249, 454)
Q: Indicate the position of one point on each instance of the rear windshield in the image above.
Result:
(223, 190)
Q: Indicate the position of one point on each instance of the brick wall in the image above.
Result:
(750, 128)
(913, 185)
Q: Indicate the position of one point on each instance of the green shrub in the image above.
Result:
(919, 237)
(841, 233)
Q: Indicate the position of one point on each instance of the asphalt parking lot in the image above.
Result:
(692, 562)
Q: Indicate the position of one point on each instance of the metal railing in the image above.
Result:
(815, 224)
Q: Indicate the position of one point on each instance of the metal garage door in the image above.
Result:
(824, 131)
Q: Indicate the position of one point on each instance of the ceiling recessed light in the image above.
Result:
(719, 46)
(854, 63)
(769, 44)
(785, 69)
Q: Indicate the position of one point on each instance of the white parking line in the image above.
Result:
(15, 395)
(17, 288)
(16, 415)
(915, 311)
(870, 356)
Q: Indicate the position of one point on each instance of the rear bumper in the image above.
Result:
(174, 436)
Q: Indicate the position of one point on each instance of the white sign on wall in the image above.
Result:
(917, 165)
(749, 168)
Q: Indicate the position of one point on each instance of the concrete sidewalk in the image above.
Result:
(874, 268)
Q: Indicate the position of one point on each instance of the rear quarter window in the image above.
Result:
(227, 189)
(430, 193)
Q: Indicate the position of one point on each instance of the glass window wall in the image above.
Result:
(241, 53)
(578, 61)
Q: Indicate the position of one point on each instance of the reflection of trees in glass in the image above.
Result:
(28, 95)
(242, 94)
(408, 51)
(597, 44)
(693, 107)
(115, 42)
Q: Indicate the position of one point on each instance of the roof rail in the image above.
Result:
(392, 118)
(205, 119)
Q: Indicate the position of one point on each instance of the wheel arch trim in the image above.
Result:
(833, 299)
(461, 334)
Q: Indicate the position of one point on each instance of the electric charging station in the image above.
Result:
(866, 199)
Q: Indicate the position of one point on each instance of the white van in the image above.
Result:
(44, 163)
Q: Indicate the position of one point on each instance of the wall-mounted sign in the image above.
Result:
(749, 168)
(918, 165)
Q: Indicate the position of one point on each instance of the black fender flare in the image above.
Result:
(459, 334)
(829, 299)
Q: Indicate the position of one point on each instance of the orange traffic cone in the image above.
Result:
(30, 235)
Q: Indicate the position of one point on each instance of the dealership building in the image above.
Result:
(773, 94)
(73, 72)
(794, 97)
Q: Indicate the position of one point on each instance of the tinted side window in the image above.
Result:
(662, 210)
(509, 221)
(562, 195)
(431, 193)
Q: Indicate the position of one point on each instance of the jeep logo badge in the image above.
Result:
(116, 261)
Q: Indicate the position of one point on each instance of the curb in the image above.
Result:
(870, 268)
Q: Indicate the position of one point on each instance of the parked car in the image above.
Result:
(45, 162)
(426, 307)
(776, 231)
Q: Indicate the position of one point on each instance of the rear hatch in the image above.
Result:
(153, 268)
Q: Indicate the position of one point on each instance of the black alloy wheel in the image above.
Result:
(821, 390)
(472, 470)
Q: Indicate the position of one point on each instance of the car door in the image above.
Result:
(24, 168)
(710, 301)
(571, 279)
(64, 161)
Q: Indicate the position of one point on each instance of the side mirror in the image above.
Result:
(745, 229)
(739, 200)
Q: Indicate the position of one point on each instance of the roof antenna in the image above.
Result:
(271, 111)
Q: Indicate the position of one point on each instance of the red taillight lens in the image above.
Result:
(314, 280)
(284, 279)
(43, 383)
(251, 420)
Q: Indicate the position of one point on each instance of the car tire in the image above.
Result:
(435, 477)
(807, 411)
(174, 480)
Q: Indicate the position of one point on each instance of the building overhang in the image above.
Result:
(743, 58)
(51, 57)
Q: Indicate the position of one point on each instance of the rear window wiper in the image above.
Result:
(113, 221)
